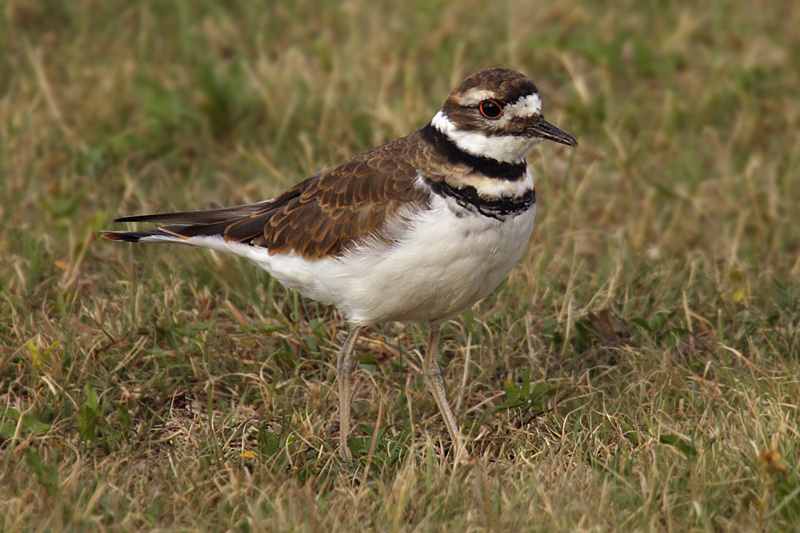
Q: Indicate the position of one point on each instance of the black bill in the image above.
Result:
(545, 130)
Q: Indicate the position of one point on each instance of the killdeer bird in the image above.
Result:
(418, 229)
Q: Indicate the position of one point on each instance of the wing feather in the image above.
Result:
(323, 215)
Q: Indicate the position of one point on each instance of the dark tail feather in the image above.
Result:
(208, 216)
(155, 235)
(239, 224)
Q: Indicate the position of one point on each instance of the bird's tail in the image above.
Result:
(182, 226)
(155, 235)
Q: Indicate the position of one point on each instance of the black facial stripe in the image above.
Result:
(500, 208)
(484, 165)
(516, 126)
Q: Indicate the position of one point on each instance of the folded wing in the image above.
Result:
(318, 217)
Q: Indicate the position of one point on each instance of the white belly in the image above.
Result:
(442, 265)
(443, 262)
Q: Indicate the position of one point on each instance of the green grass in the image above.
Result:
(637, 371)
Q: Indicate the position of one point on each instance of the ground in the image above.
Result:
(637, 371)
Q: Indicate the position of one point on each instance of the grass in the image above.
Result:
(637, 371)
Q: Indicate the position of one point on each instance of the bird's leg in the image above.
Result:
(345, 364)
(433, 378)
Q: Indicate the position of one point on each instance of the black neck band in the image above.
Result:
(487, 166)
(498, 208)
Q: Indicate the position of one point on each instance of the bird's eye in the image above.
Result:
(490, 109)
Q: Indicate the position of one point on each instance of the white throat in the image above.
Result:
(504, 148)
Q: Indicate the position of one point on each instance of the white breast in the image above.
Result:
(445, 259)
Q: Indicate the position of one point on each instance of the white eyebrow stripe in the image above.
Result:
(475, 96)
(526, 106)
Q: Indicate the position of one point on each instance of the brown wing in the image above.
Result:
(320, 216)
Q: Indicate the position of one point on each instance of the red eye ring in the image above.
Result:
(491, 109)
